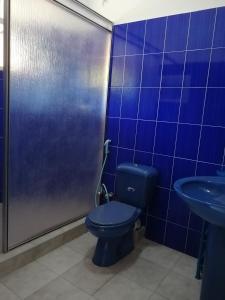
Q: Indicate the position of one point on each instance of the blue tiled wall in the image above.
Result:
(167, 109)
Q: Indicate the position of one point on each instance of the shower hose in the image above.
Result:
(102, 187)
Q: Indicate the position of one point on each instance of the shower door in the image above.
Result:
(58, 77)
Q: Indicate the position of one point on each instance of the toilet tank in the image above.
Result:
(135, 184)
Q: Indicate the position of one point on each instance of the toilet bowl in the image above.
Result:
(113, 223)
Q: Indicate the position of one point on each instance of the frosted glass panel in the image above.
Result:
(58, 85)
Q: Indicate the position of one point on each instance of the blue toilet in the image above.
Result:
(113, 223)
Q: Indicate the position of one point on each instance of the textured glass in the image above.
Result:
(58, 83)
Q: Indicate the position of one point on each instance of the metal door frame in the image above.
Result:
(85, 13)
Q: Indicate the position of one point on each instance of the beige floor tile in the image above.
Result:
(25, 281)
(143, 242)
(178, 287)
(157, 297)
(61, 259)
(61, 290)
(87, 276)
(160, 254)
(186, 266)
(6, 294)
(145, 273)
(85, 244)
(120, 288)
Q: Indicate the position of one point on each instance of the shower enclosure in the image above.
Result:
(57, 65)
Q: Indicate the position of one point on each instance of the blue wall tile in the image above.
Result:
(201, 29)
(132, 74)
(111, 161)
(1, 94)
(119, 39)
(125, 156)
(112, 129)
(217, 68)
(155, 229)
(212, 144)
(180, 233)
(127, 140)
(219, 38)
(130, 101)
(215, 107)
(195, 222)
(152, 70)
(145, 135)
(206, 168)
(188, 141)
(176, 121)
(135, 37)
(148, 103)
(159, 205)
(193, 243)
(1, 125)
(176, 34)
(178, 211)
(155, 34)
(165, 143)
(192, 103)
(114, 102)
(196, 68)
(169, 104)
(173, 68)
(164, 165)
(117, 71)
(143, 158)
(183, 168)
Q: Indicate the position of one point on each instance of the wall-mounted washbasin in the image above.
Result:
(205, 196)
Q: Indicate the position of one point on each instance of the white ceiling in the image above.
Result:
(122, 11)
(1, 9)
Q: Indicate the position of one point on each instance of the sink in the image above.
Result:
(205, 196)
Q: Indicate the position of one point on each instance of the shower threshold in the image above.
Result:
(31, 251)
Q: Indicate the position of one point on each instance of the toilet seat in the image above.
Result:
(113, 214)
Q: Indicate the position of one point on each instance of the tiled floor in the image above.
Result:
(151, 272)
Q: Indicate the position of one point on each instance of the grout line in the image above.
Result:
(157, 111)
(170, 156)
(121, 99)
(139, 96)
(202, 119)
(205, 96)
(168, 122)
(168, 52)
(160, 86)
(177, 128)
(167, 87)
(174, 223)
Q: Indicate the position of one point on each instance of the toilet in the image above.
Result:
(113, 223)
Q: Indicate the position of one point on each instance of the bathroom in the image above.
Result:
(112, 149)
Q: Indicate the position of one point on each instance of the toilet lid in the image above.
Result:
(113, 213)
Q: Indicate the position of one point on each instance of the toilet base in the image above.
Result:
(110, 250)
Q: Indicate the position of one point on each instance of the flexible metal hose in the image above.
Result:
(106, 152)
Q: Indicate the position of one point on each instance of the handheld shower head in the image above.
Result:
(106, 152)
